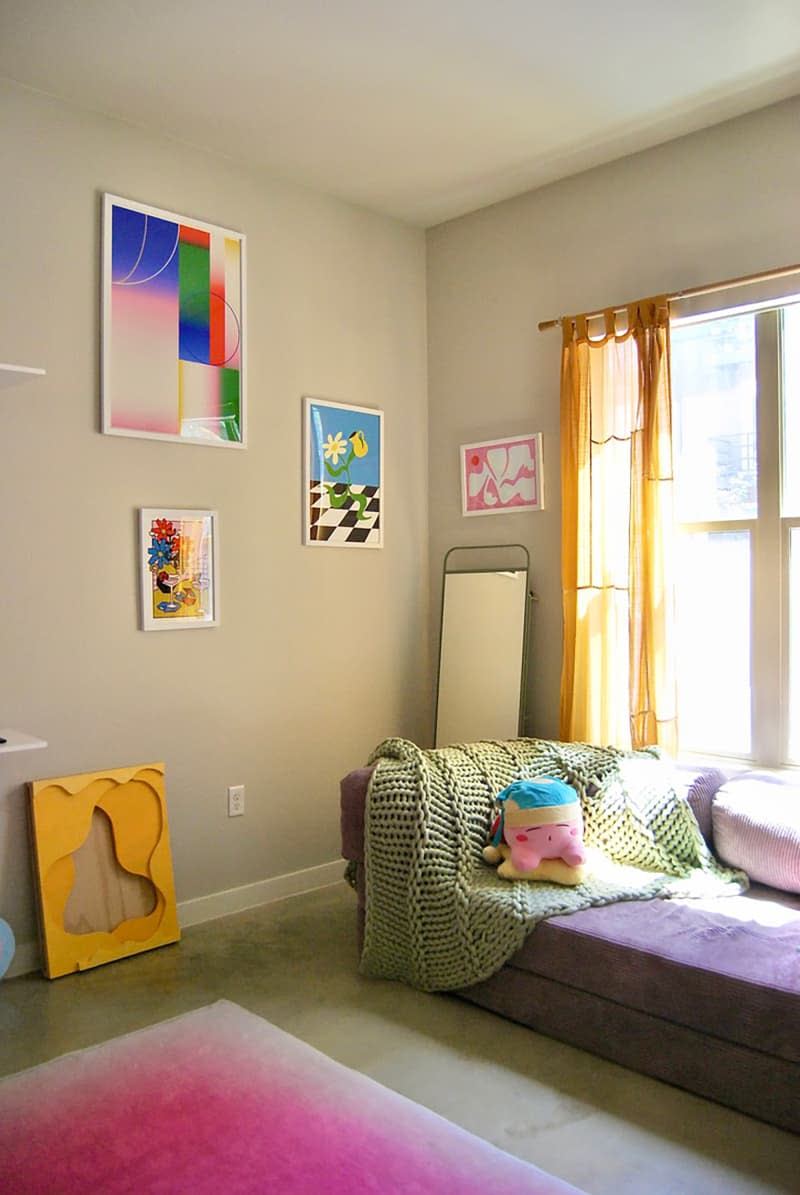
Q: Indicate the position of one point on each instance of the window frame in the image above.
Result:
(770, 542)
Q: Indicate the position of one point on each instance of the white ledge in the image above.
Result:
(17, 373)
(16, 740)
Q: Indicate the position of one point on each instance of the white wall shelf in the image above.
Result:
(18, 373)
(15, 740)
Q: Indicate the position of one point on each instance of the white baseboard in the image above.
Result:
(235, 900)
(27, 956)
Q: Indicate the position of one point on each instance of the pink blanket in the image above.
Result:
(219, 1100)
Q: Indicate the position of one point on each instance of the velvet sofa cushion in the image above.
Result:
(727, 966)
(756, 827)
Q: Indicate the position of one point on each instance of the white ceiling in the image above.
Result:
(422, 109)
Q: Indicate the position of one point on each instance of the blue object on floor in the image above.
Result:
(6, 946)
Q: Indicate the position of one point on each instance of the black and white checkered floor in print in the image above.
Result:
(341, 525)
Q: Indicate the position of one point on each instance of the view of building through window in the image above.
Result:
(736, 398)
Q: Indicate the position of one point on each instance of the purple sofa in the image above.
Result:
(704, 994)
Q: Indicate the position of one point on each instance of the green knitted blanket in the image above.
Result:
(439, 918)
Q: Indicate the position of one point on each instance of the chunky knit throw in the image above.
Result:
(438, 917)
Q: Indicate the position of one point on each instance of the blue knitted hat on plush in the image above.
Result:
(544, 792)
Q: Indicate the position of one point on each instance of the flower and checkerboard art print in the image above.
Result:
(343, 475)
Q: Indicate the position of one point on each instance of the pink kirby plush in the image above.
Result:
(531, 844)
(539, 832)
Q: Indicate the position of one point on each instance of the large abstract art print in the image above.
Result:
(173, 327)
(343, 475)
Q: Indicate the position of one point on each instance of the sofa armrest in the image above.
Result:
(353, 798)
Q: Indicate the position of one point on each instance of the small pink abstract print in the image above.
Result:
(502, 475)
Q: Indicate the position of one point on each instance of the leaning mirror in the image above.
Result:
(483, 644)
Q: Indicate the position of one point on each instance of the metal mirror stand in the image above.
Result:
(481, 680)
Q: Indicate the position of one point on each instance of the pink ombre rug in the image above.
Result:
(219, 1100)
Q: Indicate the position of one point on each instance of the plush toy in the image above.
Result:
(538, 833)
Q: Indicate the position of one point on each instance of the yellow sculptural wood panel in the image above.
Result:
(103, 866)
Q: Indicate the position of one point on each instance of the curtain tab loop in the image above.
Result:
(652, 312)
(610, 321)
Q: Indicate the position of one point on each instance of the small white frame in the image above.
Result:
(188, 576)
(502, 476)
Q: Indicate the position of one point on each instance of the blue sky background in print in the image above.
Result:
(327, 421)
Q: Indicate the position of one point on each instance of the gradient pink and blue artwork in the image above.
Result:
(173, 326)
(219, 1100)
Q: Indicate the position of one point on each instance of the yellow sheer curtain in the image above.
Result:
(617, 681)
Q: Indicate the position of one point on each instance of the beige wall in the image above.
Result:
(713, 205)
(320, 654)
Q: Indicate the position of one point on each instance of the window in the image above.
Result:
(736, 437)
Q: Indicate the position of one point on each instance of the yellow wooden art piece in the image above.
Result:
(104, 867)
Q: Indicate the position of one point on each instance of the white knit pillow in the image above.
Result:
(757, 829)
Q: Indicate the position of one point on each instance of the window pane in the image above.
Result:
(790, 341)
(794, 645)
(713, 368)
(713, 595)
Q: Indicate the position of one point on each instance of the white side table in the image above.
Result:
(16, 740)
(13, 740)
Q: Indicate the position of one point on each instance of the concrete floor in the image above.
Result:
(601, 1127)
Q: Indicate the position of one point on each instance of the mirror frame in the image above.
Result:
(503, 564)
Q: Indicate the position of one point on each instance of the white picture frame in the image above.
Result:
(174, 327)
(343, 475)
(178, 569)
(502, 476)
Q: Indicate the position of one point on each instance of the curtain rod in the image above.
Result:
(708, 289)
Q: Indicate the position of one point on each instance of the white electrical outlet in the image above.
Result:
(236, 800)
